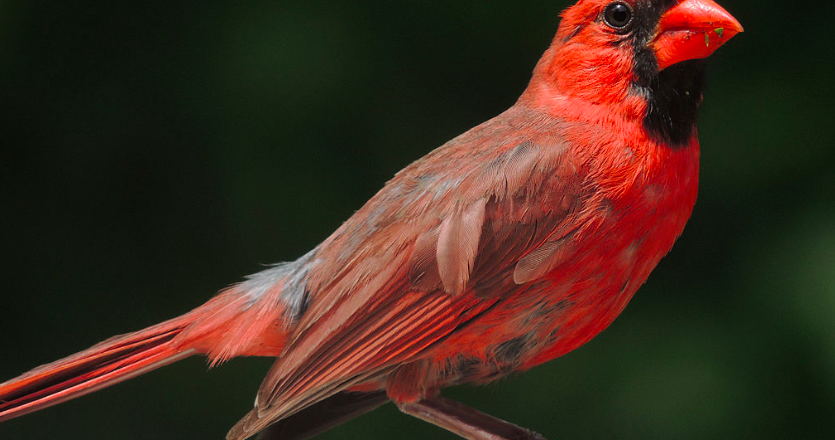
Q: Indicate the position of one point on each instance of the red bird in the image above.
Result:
(512, 244)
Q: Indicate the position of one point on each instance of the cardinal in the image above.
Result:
(510, 245)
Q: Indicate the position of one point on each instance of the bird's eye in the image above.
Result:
(617, 15)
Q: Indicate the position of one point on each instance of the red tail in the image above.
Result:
(236, 322)
(112, 361)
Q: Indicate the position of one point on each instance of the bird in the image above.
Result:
(508, 246)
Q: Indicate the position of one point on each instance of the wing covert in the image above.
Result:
(428, 253)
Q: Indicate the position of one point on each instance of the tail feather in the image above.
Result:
(107, 363)
(233, 323)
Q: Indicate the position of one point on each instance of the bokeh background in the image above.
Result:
(153, 153)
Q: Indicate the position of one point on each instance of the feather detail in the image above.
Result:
(458, 244)
(423, 267)
(543, 259)
(107, 363)
(324, 415)
(367, 349)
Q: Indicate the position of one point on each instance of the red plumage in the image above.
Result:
(510, 245)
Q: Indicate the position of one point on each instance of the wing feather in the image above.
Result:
(543, 259)
(424, 256)
(458, 243)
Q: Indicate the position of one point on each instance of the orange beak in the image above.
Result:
(692, 29)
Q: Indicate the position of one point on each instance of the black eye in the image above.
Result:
(617, 15)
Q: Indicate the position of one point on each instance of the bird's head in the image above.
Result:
(641, 58)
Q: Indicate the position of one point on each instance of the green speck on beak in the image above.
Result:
(719, 31)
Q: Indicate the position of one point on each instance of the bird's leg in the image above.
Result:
(465, 421)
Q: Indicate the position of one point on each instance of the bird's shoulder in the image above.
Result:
(492, 193)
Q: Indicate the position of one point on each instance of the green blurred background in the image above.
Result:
(154, 153)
